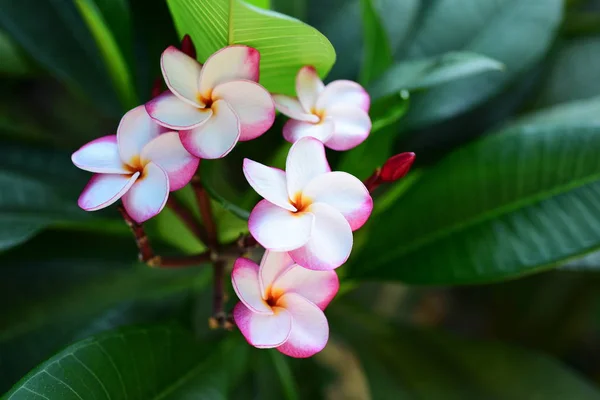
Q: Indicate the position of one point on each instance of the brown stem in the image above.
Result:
(373, 182)
(186, 216)
(206, 212)
(141, 240)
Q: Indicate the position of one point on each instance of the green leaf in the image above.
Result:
(377, 53)
(516, 33)
(515, 202)
(14, 62)
(285, 44)
(266, 4)
(154, 362)
(431, 71)
(227, 205)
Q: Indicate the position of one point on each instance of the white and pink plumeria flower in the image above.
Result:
(308, 210)
(282, 304)
(215, 105)
(336, 114)
(140, 165)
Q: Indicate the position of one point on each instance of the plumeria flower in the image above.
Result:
(308, 210)
(336, 114)
(282, 304)
(215, 105)
(140, 164)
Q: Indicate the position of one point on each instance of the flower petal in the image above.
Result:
(344, 192)
(217, 136)
(308, 87)
(344, 93)
(148, 195)
(278, 229)
(261, 330)
(170, 111)
(305, 161)
(330, 241)
(100, 155)
(319, 287)
(291, 107)
(310, 330)
(272, 265)
(136, 130)
(268, 182)
(229, 64)
(244, 278)
(104, 189)
(252, 104)
(294, 130)
(181, 73)
(352, 127)
(168, 153)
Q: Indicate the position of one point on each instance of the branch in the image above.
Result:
(205, 208)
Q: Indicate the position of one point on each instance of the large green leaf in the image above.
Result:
(285, 44)
(516, 33)
(377, 52)
(154, 362)
(518, 201)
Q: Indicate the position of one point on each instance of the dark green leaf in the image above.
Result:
(14, 61)
(377, 52)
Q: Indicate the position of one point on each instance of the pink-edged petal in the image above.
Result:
(148, 195)
(294, 130)
(136, 130)
(252, 104)
(268, 182)
(272, 266)
(100, 155)
(104, 189)
(262, 330)
(229, 64)
(170, 111)
(292, 108)
(305, 161)
(344, 192)
(330, 241)
(217, 136)
(181, 73)
(308, 87)
(168, 153)
(344, 93)
(352, 127)
(310, 330)
(244, 278)
(278, 229)
(319, 287)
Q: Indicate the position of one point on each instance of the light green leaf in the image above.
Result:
(515, 202)
(377, 52)
(285, 44)
(266, 4)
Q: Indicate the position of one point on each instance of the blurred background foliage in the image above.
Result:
(499, 99)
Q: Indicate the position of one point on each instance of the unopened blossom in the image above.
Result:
(282, 304)
(215, 105)
(308, 210)
(140, 165)
(336, 114)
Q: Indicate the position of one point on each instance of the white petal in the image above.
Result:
(351, 127)
(244, 278)
(229, 64)
(148, 195)
(319, 287)
(100, 155)
(168, 153)
(268, 182)
(181, 73)
(305, 161)
(308, 87)
(104, 189)
(273, 265)
(262, 330)
(330, 241)
(136, 130)
(278, 229)
(344, 192)
(252, 104)
(216, 137)
(170, 111)
(294, 130)
(292, 108)
(344, 93)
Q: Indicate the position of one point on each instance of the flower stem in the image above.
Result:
(206, 212)
(186, 216)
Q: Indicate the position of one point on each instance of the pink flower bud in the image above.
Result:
(187, 46)
(396, 167)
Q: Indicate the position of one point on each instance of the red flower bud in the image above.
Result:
(396, 167)
(187, 46)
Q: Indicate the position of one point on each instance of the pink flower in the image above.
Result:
(336, 114)
(215, 105)
(308, 210)
(282, 304)
(139, 164)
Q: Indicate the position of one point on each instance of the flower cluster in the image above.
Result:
(308, 215)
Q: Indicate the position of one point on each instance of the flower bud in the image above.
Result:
(396, 167)
(187, 46)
